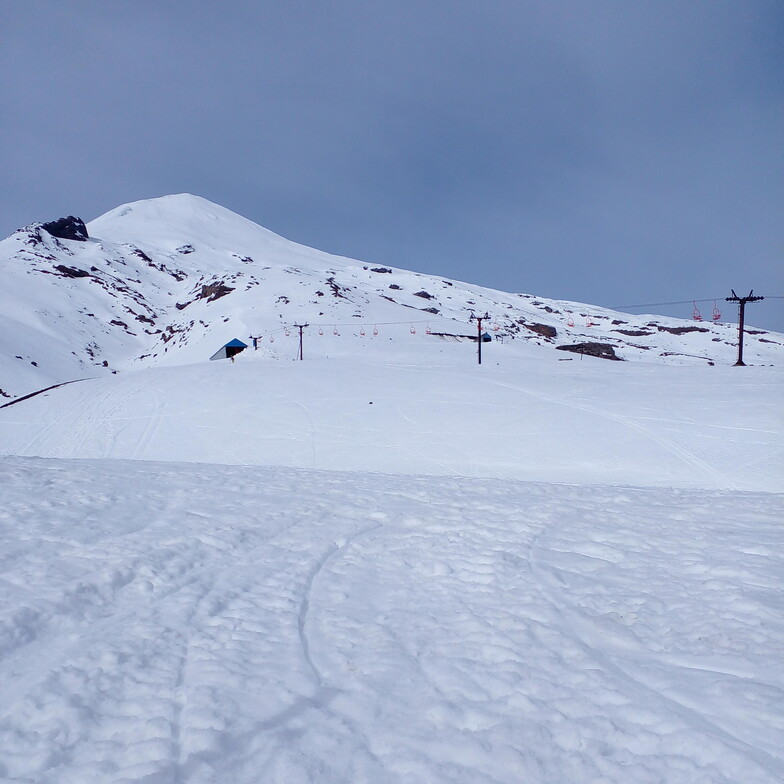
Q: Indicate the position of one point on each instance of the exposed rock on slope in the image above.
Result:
(601, 350)
(69, 228)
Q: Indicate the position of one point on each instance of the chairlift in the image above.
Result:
(335, 331)
(272, 339)
(286, 332)
(375, 331)
(695, 314)
(321, 331)
(412, 330)
(428, 331)
(716, 312)
(570, 322)
(589, 322)
(362, 332)
(496, 326)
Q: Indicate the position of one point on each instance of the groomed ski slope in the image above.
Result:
(335, 572)
(589, 421)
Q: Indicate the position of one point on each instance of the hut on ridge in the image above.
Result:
(229, 350)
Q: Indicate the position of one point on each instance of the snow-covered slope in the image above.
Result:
(170, 280)
(578, 421)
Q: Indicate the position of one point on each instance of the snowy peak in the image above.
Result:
(170, 221)
(188, 224)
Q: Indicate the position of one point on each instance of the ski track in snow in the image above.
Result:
(448, 468)
(608, 654)
(305, 603)
(678, 451)
(184, 623)
(153, 422)
(312, 435)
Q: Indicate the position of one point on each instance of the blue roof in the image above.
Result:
(237, 343)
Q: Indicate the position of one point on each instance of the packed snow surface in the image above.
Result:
(168, 622)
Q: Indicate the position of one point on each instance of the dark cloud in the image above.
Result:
(609, 152)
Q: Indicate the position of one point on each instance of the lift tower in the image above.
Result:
(741, 316)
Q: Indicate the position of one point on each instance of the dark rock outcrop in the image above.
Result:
(71, 272)
(601, 350)
(545, 330)
(680, 330)
(70, 228)
(213, 291)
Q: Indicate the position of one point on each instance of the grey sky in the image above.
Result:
(608, 152)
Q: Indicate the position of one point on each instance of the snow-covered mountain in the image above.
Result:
(385, 563)
(170, 280)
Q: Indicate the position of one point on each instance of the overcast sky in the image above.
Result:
(620, 152)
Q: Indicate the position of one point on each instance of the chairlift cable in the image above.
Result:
(661, 304)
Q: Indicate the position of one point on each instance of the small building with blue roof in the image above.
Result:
(232, 348)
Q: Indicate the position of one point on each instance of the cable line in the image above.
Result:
(680, 302)
(660, 304)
